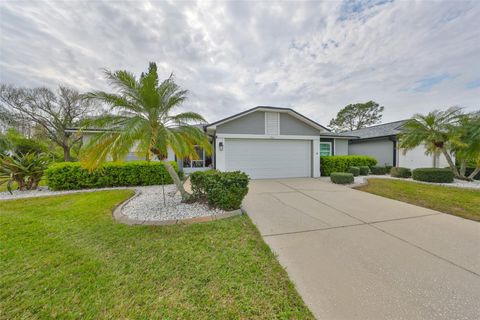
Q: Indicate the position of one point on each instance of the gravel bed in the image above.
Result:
(149, 206)
(456, 183)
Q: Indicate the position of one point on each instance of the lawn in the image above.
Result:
(460, 202)
(65, 257)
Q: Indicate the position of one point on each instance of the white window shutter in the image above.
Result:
(272, 123)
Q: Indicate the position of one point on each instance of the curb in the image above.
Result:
(122, 218)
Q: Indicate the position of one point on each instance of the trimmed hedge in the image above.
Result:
(341, 177)
(355, 171)
(400, 172)
(378, 170)
(438, 175)
(364, 170)
(329, 164)
(71, 176)
(224, 190)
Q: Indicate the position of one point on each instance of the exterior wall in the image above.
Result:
(292, 126)
(416, 158)
(253, 123)
(340, 147)
(382, 150)
(131, 156)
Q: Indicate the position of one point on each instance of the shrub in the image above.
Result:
(341, 177)
(469, 170)
(24, 169)
(400, 172)
(354, 170)
(378, 170)
(224, 190)
(388, 167)
(329, 164)
(364, 170)
(439, 175)
(71, 176)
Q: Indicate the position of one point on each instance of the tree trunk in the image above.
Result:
(474, 173)
(176, 179)
(66, 154)
(463, 167)
(452, 165)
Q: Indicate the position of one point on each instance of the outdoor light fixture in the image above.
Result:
(220, 146)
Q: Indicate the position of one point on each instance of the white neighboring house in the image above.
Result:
(270, 142)
(381, 142)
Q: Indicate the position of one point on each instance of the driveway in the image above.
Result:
(354, 255)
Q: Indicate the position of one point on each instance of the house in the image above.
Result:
(264, 142)
(271, 142)
(381, 142)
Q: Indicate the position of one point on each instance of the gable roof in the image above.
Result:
(381, 130)
(290, 111)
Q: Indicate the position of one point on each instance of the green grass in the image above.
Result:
(457, 201)
(65, 257)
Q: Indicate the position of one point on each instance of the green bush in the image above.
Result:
(341, 177)
(400, 172)
(364, 170)
(439, 175)
(378, 170)
(71, 176)
(389, 167)
(469, 170)
(355, 171)
(25, 170)
(224, 190)
(329, 164)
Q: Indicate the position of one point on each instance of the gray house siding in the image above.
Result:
(382, 150)
(253, 123)
(292, 126)
(341, 147)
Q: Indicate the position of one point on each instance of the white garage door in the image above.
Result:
(263, 158)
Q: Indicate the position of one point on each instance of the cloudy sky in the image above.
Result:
(315, 57)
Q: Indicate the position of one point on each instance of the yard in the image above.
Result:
(464, 203)
(65, 257)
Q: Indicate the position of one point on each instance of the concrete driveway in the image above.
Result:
(354, 255)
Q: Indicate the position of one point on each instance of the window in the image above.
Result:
(325, 148)
(201, 161)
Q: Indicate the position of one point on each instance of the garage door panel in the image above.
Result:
(264, 158)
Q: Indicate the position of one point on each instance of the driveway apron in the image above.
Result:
(354, 255)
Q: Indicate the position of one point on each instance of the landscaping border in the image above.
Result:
(119, 216)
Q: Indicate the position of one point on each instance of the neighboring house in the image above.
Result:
(381, 142)
(271, 142)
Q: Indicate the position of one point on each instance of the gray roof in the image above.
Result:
(381, 130)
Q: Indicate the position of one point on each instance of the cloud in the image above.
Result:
(313, 56)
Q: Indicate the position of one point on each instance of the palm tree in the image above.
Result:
(435, 131)
(466, 143)
(143, 118)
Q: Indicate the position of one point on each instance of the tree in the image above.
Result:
(52, 112)
(144, 119)
(466, 143)
(436, 131)
(357, 116)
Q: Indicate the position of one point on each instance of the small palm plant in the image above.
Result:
(143, 117)
(24, 169)
(435, 130)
